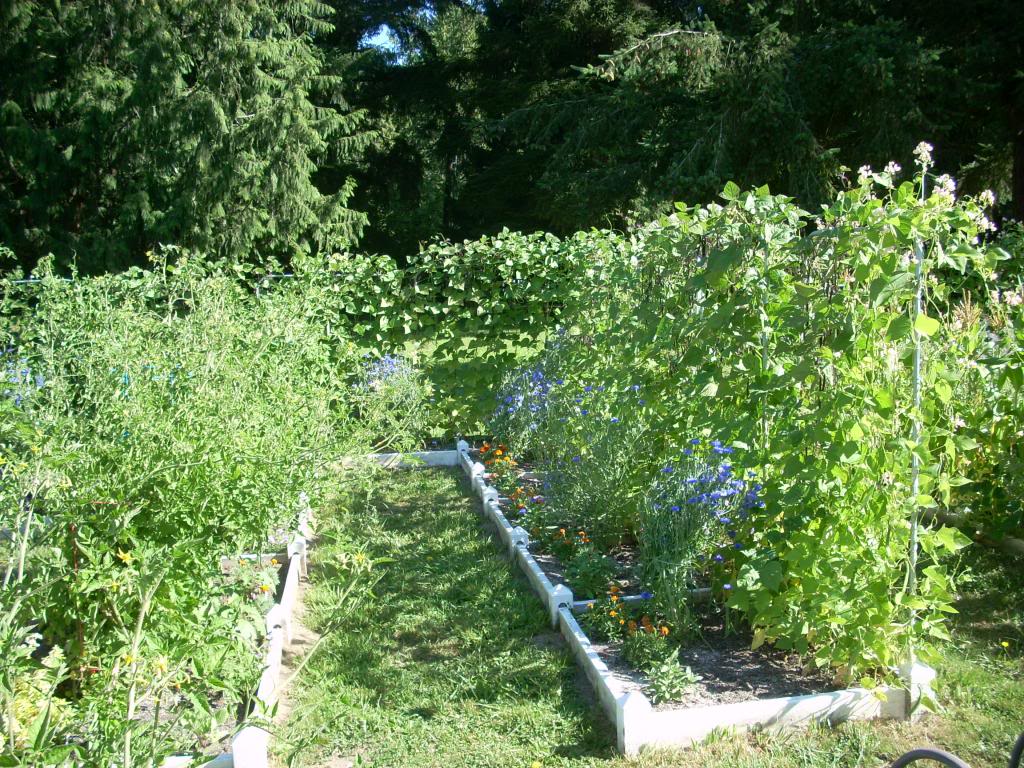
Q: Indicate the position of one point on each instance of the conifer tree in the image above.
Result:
(194, 122)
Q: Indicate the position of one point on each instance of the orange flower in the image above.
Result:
(615, 598)
(622, 621)
(664, 631)
(613, 614)
(561, 532)
(613, 588)
(499, 452)
(648, 629)
(632, 626)
(487, 447)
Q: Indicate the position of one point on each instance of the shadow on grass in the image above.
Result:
(451, 639)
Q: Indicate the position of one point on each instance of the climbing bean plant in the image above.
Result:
(791, 337)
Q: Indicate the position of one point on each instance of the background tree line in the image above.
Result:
(258, 130)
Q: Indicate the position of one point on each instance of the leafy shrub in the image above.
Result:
(669, 681)
(162, 420)
(589, 572)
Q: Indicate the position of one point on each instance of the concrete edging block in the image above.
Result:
(416, 459)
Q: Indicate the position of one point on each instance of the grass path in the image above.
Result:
(452, 663)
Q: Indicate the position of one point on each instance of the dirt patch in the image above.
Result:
(730, 671)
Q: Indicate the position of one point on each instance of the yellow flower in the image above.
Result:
(161, 665)
(622, 621)
(613, 613)
(1005, 643)
(128, 659)
(125, 557)
(535, 764)
(615, 598)
(264, 587)
(274, 561)
(664, 631)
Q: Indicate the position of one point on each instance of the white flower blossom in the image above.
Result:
(945, 185)
(864, 174)
(923, 153)
(987, 198)
(1014, 299)
(892, 168)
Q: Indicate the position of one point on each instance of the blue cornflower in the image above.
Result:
(667, 469)
(588, 388)
(727, 587)
(645, 595)
(695, 441)
(738, 545)
(575, 459)
(584, 411)
(675, 507)
(614, 419)
(719, 559)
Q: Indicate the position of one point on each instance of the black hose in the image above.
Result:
(937, 755)
(1018, 752)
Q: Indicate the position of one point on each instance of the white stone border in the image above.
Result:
(250, 746)
(637, 724)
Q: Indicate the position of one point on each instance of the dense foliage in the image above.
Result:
(197, 124)
(153, 427)
(266, 130)
(746, 329)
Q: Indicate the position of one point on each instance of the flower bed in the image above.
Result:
(639, 723)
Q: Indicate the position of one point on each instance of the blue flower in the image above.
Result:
(588, 388)
(645, 595)
(675, 507)
(614, 419)
(584, 411)
(695, 441)
(727, 587)
(668, 469)
(737, 545)
(719, 559)
(575, 459)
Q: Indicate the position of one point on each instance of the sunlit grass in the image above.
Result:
(453, 663)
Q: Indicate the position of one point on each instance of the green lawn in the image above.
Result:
(452, 663)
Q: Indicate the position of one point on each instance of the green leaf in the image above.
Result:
(951, 539)
(926, 326)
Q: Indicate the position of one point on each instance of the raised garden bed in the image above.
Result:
(749, 691)
(250, 745)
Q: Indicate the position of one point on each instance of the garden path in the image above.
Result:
(451, 662)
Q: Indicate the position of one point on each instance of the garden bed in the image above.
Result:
(250, 745)
(751, 691)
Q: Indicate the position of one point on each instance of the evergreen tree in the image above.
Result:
(193, 122)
